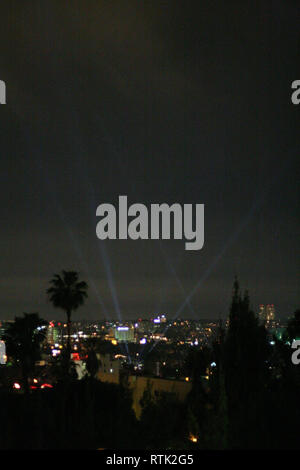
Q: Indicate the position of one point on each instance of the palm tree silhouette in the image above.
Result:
(67, 293)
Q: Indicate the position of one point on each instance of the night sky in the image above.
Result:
(162, 101)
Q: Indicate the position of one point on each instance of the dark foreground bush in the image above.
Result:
(81, 414)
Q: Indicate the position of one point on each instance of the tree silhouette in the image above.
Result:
(92, 362)
(67, 293)
(246, 351)
(293, 327)
(23, 339)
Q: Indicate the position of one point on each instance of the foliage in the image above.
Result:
(85, 414)
(23, 340)
(293, 328)
(67, 293)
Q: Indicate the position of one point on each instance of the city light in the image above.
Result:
(46, 385)
(125, 124)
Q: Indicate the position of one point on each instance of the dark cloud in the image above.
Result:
(165, 102)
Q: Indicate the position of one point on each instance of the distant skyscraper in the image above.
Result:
(53, 334)
(3, 357)
(266, 314)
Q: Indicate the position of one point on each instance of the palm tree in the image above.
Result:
(23, 339)
(67, 293)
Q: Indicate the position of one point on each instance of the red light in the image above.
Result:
(75, 356)
(46, 386)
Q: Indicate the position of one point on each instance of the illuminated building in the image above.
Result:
(109, 368)
(124, 333)
(266, 314)
(2, 329)
(3, 357)
(108, 364)
(53, 334)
